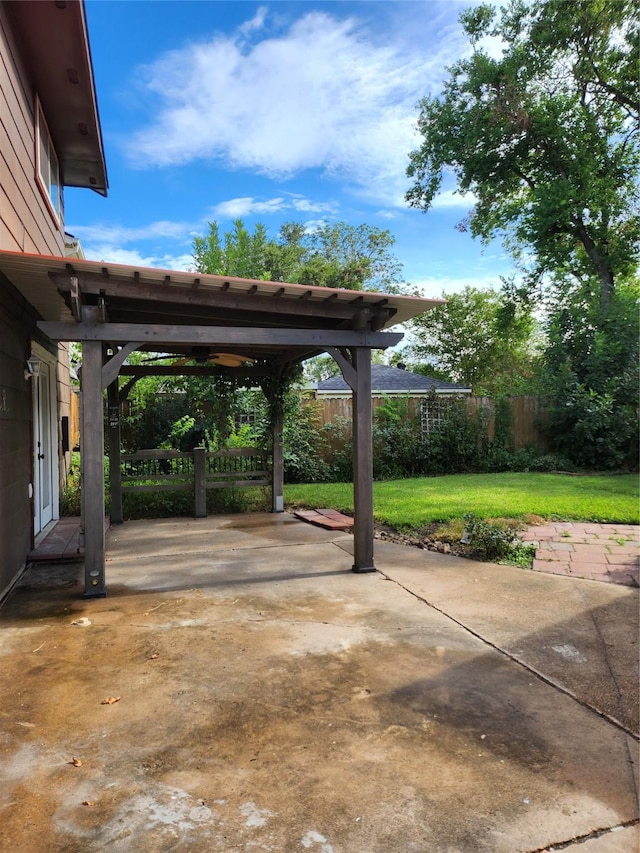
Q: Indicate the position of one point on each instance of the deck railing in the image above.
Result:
(173, 470)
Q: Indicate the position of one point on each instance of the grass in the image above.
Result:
(412, 504)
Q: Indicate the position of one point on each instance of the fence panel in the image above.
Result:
(172, 470)
(528, 416)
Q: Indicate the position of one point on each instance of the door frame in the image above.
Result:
(43, 517)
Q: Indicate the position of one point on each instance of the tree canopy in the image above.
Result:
(544, 136)
(479, 339)
(332, 255)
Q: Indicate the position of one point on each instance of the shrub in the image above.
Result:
(396, 439)
(455, 446)
(336, 448)
(302, 460)
(494, 540)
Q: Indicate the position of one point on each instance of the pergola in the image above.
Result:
(258, 329)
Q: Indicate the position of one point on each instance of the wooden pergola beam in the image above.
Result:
(157, 335)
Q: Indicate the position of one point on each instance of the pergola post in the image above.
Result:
(277, 457)
(93, 469)
(115, 474)
(362, 462)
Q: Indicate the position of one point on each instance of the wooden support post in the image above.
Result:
(277, 473)
(362, 463)
(92, 448)
(115, 474)
(200, 482)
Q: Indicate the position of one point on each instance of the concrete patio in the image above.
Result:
(241, 690)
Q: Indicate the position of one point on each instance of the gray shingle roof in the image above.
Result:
(392, 379)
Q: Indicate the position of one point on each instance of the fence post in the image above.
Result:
(115, 474)
(200, 482)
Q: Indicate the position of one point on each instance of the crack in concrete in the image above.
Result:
(536, 672)
(581, 839)
(630, 761)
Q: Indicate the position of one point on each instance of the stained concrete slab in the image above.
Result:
(579, 633)
(270, 699)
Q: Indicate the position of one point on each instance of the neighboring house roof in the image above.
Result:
(393, 380)
(55, 46)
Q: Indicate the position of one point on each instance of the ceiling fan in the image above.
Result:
(203, 355)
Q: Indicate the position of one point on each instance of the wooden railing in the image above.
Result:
(172, 470)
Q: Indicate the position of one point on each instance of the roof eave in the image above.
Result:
(55, 45)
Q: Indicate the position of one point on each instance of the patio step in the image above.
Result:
(330, 519)
(63, 542)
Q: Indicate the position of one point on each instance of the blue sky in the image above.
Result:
(272, 112)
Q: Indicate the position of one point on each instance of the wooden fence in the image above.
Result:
(172, 470)
(528, 415)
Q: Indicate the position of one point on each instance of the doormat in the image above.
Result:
(330, 519)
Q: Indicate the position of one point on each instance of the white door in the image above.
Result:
(44, 445)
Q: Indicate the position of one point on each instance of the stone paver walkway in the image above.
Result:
(600, 552)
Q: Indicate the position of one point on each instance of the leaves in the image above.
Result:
(332, 255)
(478, 338)
(110, 700)
(545, 136)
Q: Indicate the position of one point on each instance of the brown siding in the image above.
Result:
(27, 224)
(17, 324)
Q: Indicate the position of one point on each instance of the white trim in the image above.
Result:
(43, 177)
(50, 360)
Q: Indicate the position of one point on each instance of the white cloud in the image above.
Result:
(433, 288)
(241, 207)
(256, 23)
(110, 253)
(122, 234)
(321, 94)
(247, 206)
(452, 198)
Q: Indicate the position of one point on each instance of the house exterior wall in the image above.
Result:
(27, 225)
(17, 323)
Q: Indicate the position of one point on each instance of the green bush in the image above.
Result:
(396, 441)
(494, 540)
(455, 446)
(301, 453)
(169, 504)
(336, 448)
(70, 499)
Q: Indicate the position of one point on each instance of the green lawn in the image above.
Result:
(411, 504)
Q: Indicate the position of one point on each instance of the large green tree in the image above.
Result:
(479, 339)
(332, 255)
(544, 136)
